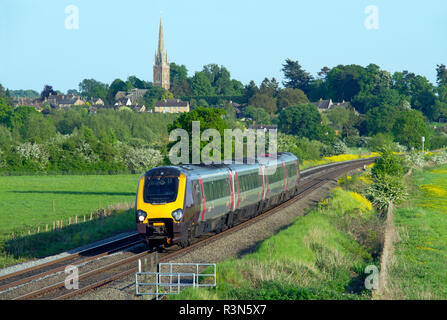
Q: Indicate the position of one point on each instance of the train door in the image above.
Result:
(197, 200)
(233, 186)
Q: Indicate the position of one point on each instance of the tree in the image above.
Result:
(409, 128)
(167, 95)
(177, 72)
(133, 82)
(238, 87)
(37, 129)
(6, 113)
(339, 116)
(46, 92)
(117, 85)
(153, 94)
(381, 119)
(324, 72)
(263, 101)
(441, 73)
(250, 90)
(387, 164)
(423, 96)
(258, 115)
(305, 121)
(220, 79)
(289, 97)
(73, 92)
(201, 85)
(295, 76)
(90, 88)
(345, 82)
(380, 141)
(180, 85)
(269, 87)
(209, 118)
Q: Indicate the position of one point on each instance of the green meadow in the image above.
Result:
(30, 201)
(420, 267)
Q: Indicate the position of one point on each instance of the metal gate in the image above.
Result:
(171, 277)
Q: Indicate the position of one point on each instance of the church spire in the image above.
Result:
(161, 42)
(161, 64)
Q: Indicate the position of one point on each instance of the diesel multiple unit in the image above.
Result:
(178, 203)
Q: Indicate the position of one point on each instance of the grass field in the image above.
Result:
(420, 267)
(27, 201)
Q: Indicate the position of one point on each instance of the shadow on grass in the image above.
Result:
(89, 193)
(66, 239)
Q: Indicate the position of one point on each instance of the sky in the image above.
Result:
(42, 42)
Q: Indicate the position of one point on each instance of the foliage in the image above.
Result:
(290, 97)
(387, 164)
(209, 118)
(380, 141)
(386, 189)
(263, 101)
(258, 115)
(91, 88)
(76, 141)
(141, 159)
(305, 121)
(295, 76)
(339, 147)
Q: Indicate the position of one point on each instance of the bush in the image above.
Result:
(415, 159)
(387, 164)
(357, 141)
(303, 148)
(339, 147)
(142, 159)
(386, 189)
(379, 141)
(438, 142)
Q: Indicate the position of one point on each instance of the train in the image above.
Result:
(175, 204)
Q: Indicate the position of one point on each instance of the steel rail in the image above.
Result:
(85, 252)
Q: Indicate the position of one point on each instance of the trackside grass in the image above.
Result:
(420, 253)
(338, 158)
(317, 257)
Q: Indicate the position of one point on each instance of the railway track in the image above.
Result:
(42, 270)
(312, 179)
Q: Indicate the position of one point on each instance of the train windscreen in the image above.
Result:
(160, 189)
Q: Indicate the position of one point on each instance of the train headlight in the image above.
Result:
(141, 215)
(177, 214)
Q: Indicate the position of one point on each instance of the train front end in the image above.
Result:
(159, 206)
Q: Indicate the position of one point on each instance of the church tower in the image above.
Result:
(161, 64)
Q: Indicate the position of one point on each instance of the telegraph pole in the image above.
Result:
(423, 140)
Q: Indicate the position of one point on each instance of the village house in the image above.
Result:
(64, 101)
(325, 105)
(132, 98)
(171, 106)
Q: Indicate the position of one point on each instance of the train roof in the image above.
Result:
(204, 170)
